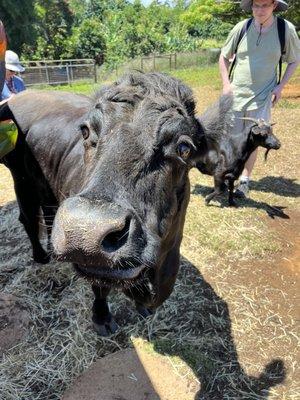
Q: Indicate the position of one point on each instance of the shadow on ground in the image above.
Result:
(215, 361)
(195, 325)
(272, 211)
(278, 185)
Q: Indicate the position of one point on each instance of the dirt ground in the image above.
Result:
(229, 331)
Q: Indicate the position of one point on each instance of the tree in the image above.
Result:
(293, 13)
(18, 16)
(53, 27)
(87, 40)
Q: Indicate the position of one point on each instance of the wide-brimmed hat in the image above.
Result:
(246, 5)
(12, 62)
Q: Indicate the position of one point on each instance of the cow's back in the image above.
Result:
(50, 124)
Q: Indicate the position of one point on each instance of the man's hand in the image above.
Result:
(227, 89)
(276, 94)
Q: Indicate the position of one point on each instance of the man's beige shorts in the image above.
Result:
(239, 125)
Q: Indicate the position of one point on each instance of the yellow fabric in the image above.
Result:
(8, 137)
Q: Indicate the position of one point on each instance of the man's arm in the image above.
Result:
(224, 68)
(290, 69)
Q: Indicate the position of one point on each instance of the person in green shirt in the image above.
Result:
(254, 84)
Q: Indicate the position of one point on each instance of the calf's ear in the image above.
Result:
(256, 130)
(85, 131)
(89, 135)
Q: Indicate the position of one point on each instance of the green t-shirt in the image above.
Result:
(255, 72)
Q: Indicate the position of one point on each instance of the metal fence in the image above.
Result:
(167, 62)
(57, 72)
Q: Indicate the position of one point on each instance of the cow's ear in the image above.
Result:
(85, 131)
(89, 135)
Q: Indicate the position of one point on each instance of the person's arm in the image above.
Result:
(290, 69)
(227, 52)
(2, 55)
(3, 101)
(224, 68)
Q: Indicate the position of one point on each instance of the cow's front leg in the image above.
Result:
(219, 188)
(231, 201)
(103, 321)
(29, 206)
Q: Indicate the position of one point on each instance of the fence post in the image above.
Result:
(153, 62)
(71, 73)
(142, 66)
(47, 73)
(170, 61)
(68, 75)
(95, 72)
(175, 60)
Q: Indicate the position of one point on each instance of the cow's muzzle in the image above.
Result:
(93, 233)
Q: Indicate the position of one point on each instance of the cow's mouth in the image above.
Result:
(111, 277)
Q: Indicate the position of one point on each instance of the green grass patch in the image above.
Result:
(291, 105)
(197, 77)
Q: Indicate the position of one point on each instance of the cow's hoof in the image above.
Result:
(232, 203)
(107, 328)
(143, 311)
(41, 257)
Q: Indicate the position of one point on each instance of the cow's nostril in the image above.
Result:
(116, 239)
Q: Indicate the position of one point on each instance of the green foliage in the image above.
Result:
(213, 28)
(293, 13)
(18, 17)
(53, 27)
(86, 41)
(201, 11)
(120, 29)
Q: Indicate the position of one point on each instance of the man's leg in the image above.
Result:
(243, 188)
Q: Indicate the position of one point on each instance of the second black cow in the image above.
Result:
(225, 153)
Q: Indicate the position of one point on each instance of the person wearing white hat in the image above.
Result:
(13, 84)
(257, 47)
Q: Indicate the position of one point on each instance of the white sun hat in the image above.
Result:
(246, 5)
(12, 62)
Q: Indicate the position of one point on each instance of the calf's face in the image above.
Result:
(130, 211)
(264, 137)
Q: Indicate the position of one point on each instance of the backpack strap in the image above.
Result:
(281, 36)
(243, 32)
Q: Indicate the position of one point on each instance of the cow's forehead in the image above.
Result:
(135, 88)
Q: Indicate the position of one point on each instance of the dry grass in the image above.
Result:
(231, 317)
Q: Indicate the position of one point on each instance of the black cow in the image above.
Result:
(116, 169)
(224, 153)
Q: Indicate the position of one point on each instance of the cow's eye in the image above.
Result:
(184, 150)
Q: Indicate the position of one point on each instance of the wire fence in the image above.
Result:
(168, 62)
(58, 72)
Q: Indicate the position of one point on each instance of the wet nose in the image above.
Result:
(278, 145)
(114, 233)
(90, 229)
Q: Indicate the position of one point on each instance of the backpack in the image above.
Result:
(281, 36)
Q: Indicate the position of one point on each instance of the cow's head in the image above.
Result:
(140, 140)
(262, 134)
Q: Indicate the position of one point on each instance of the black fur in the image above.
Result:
(224, 153)
(115, 167)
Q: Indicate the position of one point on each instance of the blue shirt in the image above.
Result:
(18, 85)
